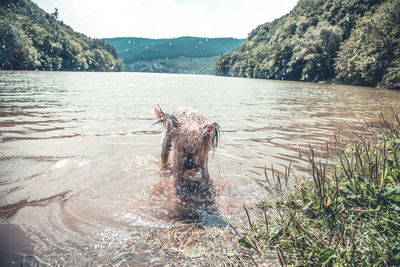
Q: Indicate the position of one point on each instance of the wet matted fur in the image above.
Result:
(190, 137)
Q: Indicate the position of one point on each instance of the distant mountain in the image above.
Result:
(31, 39)
(354, 42)
(178, 55)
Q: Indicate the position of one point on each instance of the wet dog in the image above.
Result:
(190, 137)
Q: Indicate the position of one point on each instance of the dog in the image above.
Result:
(190, 137)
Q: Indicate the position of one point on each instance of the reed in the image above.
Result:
(348, 215)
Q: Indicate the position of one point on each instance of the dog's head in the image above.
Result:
(192, 139)
(193, 142)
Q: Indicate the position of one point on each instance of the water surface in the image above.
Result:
(79, 156)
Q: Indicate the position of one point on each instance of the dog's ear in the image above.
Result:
(212, 131)
(158, 112)
(168, 120)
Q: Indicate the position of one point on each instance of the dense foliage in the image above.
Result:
(371, 55)
(354, 41)
(132, 49)
(31, 39)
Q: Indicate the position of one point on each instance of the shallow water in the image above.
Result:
(79, 154)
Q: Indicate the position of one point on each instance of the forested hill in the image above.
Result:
(352, 41)
(132, 49)
(31, 39)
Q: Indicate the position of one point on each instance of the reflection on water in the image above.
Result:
(79, 157)
(186, 200)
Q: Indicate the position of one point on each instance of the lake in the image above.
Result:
(79, 154)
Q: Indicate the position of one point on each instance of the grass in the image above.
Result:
(348, 215)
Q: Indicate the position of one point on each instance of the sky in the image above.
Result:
(166, 18)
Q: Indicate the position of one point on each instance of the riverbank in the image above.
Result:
(348, 215)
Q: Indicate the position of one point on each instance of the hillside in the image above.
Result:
(185, 65)
(176, 55)
(354, 42)
(31, 39)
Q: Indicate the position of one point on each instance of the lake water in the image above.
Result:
(79, 154)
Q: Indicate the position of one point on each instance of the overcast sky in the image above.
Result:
(166, 18)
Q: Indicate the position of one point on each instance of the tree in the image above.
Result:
(371, 55)
(222, 64)
(16, 50)
(317, 48)
(55, 13)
